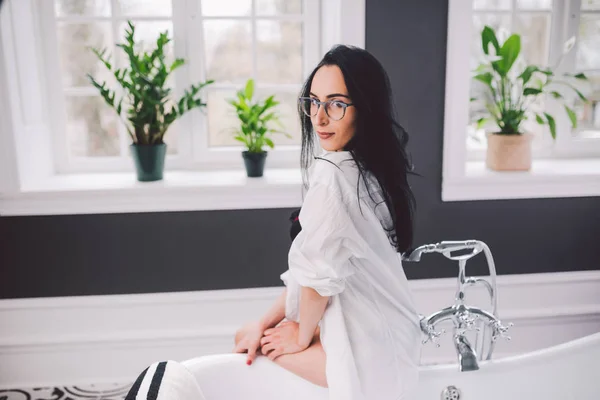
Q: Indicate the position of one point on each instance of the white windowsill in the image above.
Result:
(547, 178)
(178, 191)
(278, 188)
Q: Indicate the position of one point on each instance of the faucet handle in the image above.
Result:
(432, 335)
(467, 322)
(500, 330)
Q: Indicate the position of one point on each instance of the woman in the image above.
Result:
(346, 322)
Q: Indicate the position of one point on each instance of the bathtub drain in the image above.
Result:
(451, 393)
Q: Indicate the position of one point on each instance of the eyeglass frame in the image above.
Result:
(319, 103)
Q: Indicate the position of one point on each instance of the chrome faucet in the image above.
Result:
(465, 318)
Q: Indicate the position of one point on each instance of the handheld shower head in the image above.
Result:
(415, 255)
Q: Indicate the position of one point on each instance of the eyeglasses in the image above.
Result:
(335, 109)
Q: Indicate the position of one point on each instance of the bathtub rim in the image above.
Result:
(524, 359)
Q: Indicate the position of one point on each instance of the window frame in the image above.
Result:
(572, 170)
(193, 152)
(564, 23)
(282, 156)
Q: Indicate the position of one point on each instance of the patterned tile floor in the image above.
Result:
(79, 392)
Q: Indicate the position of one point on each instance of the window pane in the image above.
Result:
(588, 58)
(588, 48)
(590, 4)
(222, 119)
(535, 33)
(172, 134)
(288, 111)
(228, 50)
(499, 22)
(65, 8)
(278, 7)
(76, 59)
(492, 4)
(279, 51)
(145, 36)
(91, 127)
(588, 114)
(145, 7)
(220, 8)
(535, 4)
(170, 137)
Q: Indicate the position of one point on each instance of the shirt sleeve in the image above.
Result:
(321, 255)
(285, 277)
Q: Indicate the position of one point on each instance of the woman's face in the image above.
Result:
(328, 84)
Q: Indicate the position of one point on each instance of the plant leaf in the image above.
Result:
(249, 89)
(176, 64)
(489, 36)
(539, 119)
(579, 94)
(509, 51)
(527, 73)
(529, 91)
(241, 139)
(481, 122)
(580, 75)
(551, 124)
(485, 78)
(572, 116)
(556, 94)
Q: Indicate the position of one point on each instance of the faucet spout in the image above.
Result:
(467, 358)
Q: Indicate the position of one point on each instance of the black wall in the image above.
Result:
(159, 252)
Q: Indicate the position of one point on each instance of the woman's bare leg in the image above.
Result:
(308, 364)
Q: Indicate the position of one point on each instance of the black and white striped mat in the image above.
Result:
(165, 380)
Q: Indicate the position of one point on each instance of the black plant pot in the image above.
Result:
(255, 163)
(149, 161)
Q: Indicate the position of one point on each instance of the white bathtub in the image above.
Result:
(570, 371)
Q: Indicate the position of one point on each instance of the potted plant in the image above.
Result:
(146, 101)
(256, 125)
(509, 96)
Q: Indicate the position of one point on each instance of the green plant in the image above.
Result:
(256, 119)
(509, 94)
(147, 97)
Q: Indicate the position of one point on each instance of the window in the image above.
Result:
(67, 153)
(275, 42)
(586, 25)
(568, 167)
(544, 26)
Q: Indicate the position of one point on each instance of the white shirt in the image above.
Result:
(370, 329)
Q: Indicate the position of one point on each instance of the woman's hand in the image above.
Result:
(247, 339)
(283, 339)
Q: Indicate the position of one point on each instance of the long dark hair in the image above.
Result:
(379, 144)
